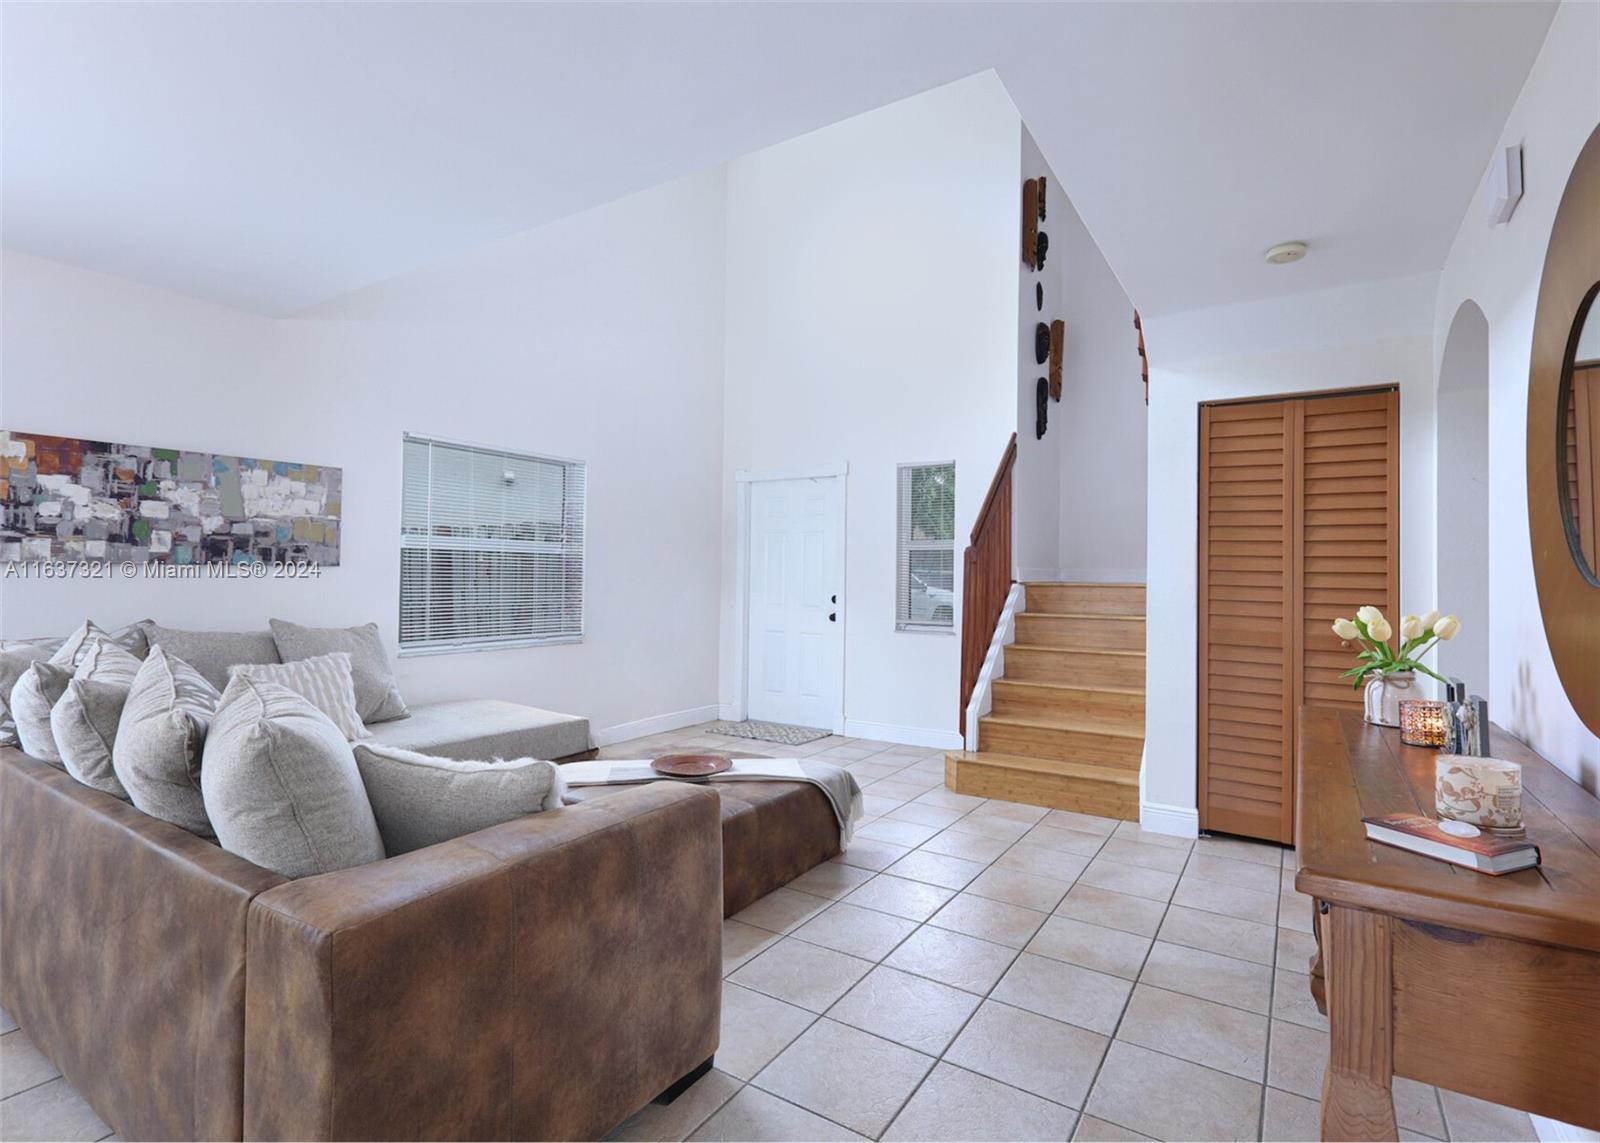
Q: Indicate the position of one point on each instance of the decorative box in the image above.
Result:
(1484, 791)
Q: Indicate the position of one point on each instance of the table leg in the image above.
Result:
(1356, 1098)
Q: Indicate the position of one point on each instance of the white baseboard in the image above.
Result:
(730, 712)
(1554, 1131)
(903, 735)
(1179, 821)
(658, 724)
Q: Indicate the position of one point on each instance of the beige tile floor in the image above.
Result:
(974, 969)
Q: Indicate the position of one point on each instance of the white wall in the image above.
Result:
(1352, 337)
(597, 337)
(1036, 478)
(1080, 492)
(871, 285)
(1378, 333)
(90, 355)
(872, 320)
(1499, 269)
(1461, 443)
(1101, 426)
(1588, 348)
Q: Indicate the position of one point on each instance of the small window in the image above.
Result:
(925, 596)
(491, 548)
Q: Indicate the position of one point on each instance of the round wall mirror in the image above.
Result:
(1578, 440)
(1564, 438)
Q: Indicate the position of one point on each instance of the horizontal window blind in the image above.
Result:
(491, 547)
(926, 547)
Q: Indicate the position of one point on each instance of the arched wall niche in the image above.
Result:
(1462, 428)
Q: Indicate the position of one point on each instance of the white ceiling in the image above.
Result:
(271, 156)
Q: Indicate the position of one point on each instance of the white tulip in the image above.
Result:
(1430, 619)
(1380, 631)
(1447, 627)
(1369, 615)
(1346, 630)
(1410, 627)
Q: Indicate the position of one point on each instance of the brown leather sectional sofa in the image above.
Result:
(542, 979)
(772, 832)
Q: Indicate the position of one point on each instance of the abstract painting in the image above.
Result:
(63, 498)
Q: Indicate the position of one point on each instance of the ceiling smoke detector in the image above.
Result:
(1285, 252)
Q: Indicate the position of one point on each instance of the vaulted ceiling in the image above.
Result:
(271, 156)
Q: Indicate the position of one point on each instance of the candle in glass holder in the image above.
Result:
(1484, 791)
(1424, 722)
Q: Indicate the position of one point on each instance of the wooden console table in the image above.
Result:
(1484, 985)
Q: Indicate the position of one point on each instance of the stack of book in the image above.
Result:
(1485, 853)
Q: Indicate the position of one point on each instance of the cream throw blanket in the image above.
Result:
(843, 792)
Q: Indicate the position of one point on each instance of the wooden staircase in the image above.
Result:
(1067, 725)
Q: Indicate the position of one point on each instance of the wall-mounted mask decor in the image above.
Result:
(64, 498)
(1041, 343)
(1041, 247)
(1058, 343)
(1042, 197)
(1041, 404)
(1564, 436)
(1030, 220)
(1038, 295)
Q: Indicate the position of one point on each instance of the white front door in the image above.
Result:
(796, 645)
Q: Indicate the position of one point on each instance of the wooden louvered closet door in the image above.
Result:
(1246, 610)
(1299, 524)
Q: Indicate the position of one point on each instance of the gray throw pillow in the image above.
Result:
(84, 720)
(281, 785)
(422, 800)
(131, 638)
(157, 751)
(212, 653)
(16, 656)
(37, 691)
(377, 697)
(324, 681)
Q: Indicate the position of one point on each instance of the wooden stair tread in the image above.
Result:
(1075, 723)
(1081, 615)
(1078, 688)
(1052, 766)
(1076, 583)
(1067, 723)
(1073, 651)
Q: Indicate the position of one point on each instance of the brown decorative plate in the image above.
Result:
(691, 765)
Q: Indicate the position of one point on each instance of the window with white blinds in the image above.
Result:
(491, 547)
(925, 596)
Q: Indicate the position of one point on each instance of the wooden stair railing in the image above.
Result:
(987, 571)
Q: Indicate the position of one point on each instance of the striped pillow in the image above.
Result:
(327, 682)
(75, 646)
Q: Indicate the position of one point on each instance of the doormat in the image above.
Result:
(768, 732)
